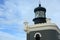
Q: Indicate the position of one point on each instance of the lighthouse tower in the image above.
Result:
(43, 28)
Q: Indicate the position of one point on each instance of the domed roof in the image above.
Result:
(40, 8)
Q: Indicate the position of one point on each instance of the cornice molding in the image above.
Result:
(45, 26)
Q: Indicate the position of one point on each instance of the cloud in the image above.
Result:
(2, 28)
(10, 18)
(14, 12)
(9, 15)
(6, 36)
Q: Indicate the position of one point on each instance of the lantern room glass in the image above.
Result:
(39, 14)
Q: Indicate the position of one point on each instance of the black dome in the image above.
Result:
(40, 9)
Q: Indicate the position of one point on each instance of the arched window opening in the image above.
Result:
(37, 36)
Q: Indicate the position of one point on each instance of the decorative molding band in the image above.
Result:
(43, 27)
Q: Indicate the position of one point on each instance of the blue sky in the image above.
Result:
(14, 12)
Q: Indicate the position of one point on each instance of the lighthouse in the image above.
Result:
(43, 28)
(40, 16)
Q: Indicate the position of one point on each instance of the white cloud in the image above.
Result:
(2, 28)
(9, 15)
(14, 13)
(6, 36)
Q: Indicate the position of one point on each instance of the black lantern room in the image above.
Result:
(40, 16)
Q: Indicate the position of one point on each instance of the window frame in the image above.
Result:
(37, 33)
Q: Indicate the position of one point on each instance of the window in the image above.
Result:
(39, 14)
(37, 36)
